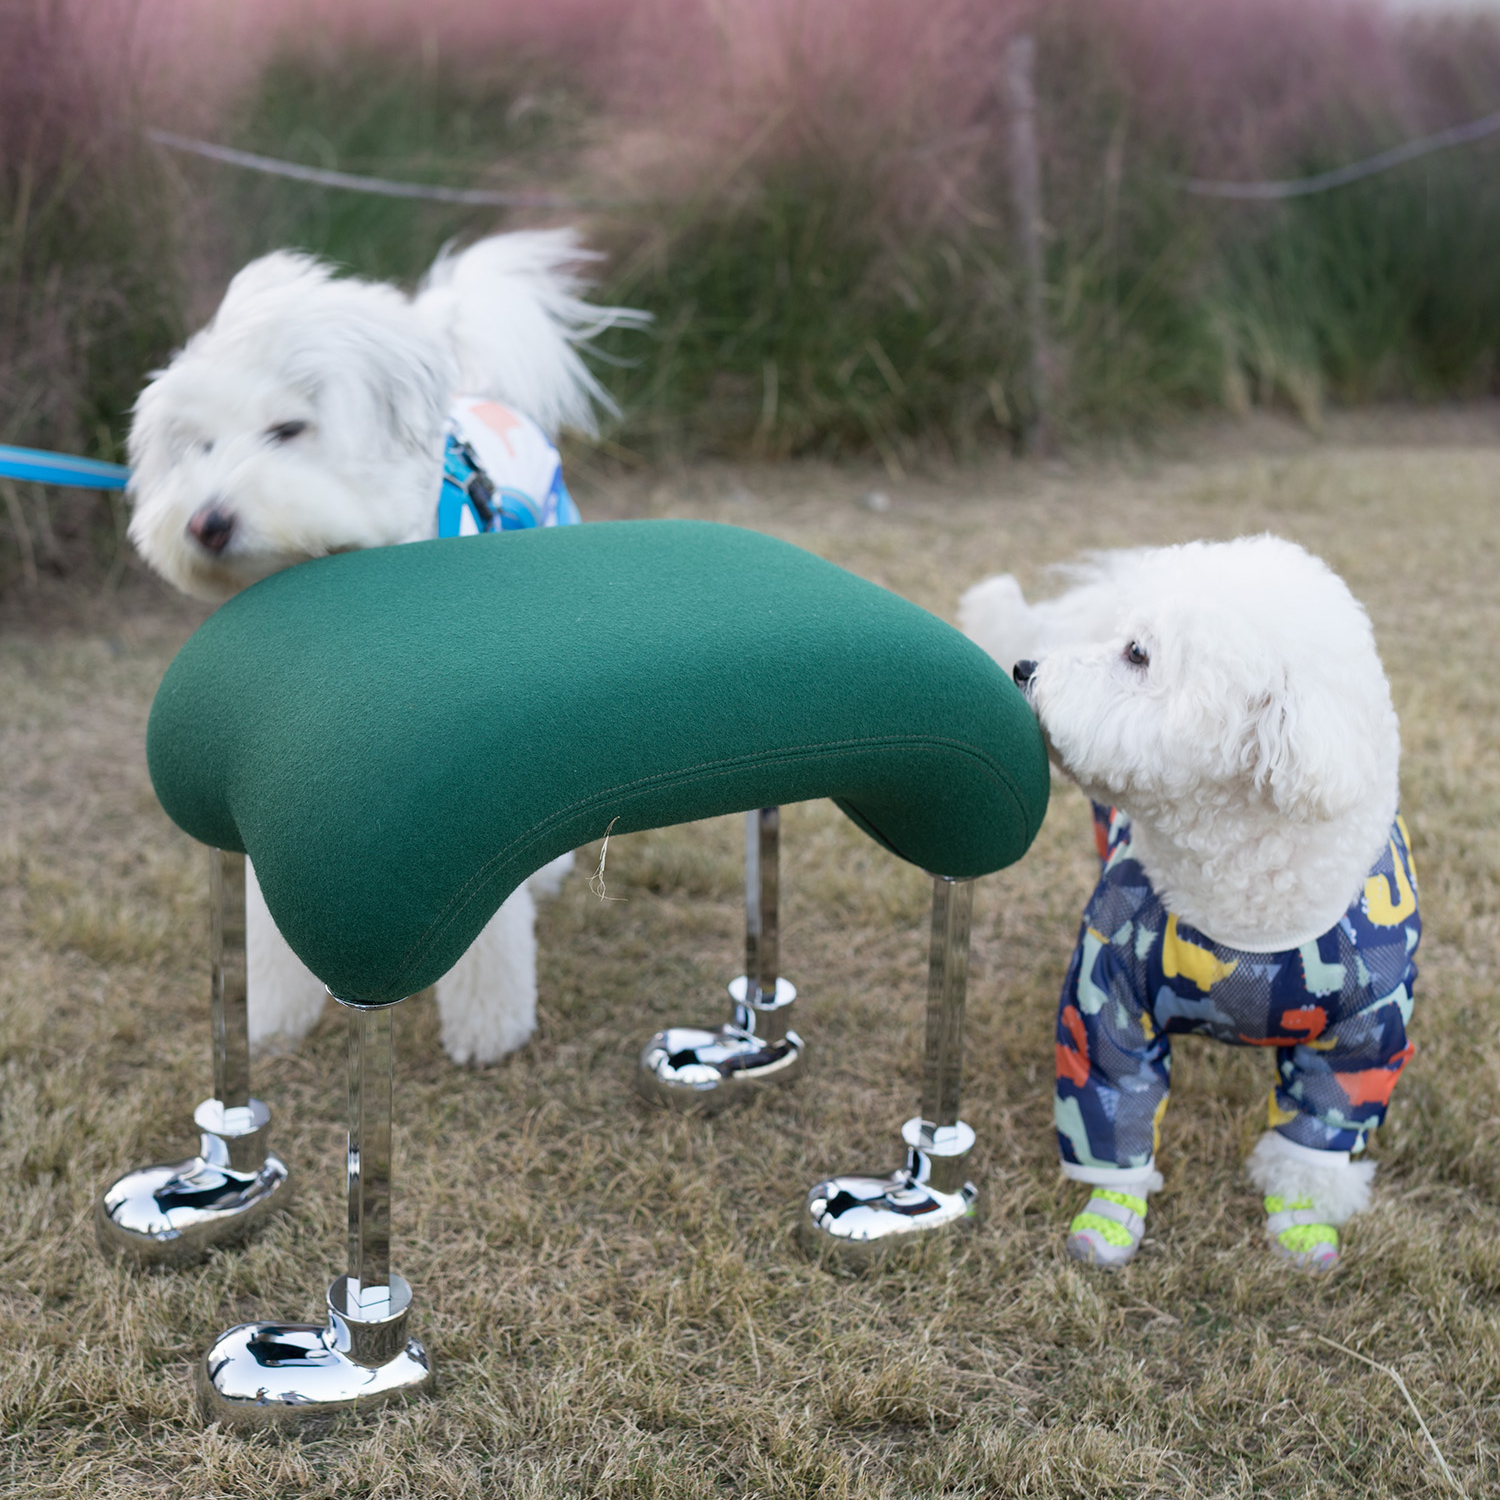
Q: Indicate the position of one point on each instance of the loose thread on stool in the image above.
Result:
(596, 880)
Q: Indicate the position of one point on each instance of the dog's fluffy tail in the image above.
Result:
(512, 311)
(994, 614)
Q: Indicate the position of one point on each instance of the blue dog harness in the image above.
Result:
(476, 499)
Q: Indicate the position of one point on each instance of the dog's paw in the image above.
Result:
(1300, 1235)
(477, 1041)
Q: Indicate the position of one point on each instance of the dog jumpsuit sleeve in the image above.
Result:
(1334, 1088)
(1113, 1062)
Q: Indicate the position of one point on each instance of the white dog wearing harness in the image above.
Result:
(317, 414)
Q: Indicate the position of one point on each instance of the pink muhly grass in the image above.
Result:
(906, 91)
(846, 79)
(1246, 87)
(1234, 88)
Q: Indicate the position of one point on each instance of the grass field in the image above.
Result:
(612, 1295)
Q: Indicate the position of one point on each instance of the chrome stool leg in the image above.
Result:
(860, 1218)
(693, 1069)
(173, 1213)
(260, 1375)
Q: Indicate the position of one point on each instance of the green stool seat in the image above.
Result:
(399, 737)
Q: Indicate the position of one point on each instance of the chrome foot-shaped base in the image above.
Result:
(261, 1375)
(860, 1219)
(691, 1069)
(174, 1213)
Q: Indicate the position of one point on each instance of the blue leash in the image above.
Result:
(61, 468)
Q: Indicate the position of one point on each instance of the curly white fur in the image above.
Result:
(1338, 1187)
(1227, 696)
(1257, 750)
(308, 418)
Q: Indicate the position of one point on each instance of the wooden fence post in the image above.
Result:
(1026, 192)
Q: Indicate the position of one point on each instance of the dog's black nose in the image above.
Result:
(1022, 673)
(213, 526)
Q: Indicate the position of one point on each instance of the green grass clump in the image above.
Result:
(803, 305)
(790, 319)
(1384, 288)
(414, 119)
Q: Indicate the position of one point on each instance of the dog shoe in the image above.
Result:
(1108, 1231)
(1299, 1234)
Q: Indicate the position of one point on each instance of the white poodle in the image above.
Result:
(317, 414)
(1224, 707)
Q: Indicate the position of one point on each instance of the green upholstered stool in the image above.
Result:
(351, 724)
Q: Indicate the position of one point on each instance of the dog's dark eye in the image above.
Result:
(284, 432)
(1137, 655)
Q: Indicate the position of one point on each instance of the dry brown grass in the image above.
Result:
(612, 1295)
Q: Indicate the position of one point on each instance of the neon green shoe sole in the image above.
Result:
(1108, 1231)
(1299, 1235)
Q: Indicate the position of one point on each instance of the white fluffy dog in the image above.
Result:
(1224, 707)
(317, 414)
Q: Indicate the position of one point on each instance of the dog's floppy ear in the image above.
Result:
(378, 378)
(1316, 759)
(407, 379)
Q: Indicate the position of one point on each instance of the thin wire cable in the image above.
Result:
(1300, 187)
(384, 187)
(1262, 191)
